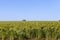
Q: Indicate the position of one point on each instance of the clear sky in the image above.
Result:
(29, 10)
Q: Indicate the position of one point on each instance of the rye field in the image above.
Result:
(30, 30)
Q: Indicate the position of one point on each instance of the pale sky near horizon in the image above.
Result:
(29, 10)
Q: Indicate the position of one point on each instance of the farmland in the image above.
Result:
(30, 30)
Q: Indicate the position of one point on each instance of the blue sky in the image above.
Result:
(29, 10)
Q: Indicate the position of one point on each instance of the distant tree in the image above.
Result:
(23, 20)
(59, 20)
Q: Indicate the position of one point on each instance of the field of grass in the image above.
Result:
(30, 30)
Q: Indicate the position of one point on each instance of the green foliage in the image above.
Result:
(29, 30)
